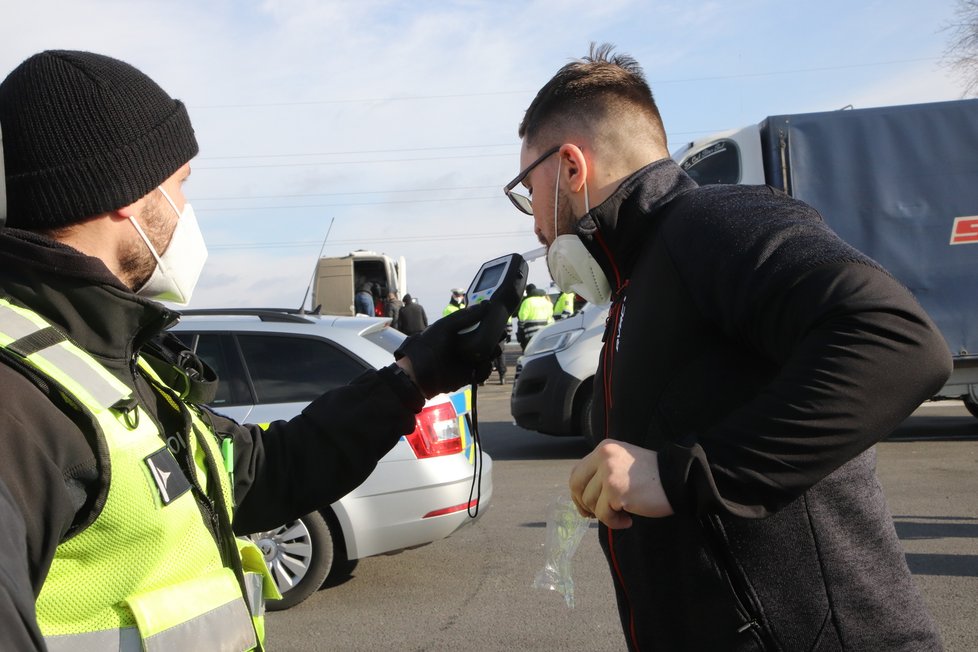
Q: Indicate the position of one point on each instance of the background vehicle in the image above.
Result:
(900, 183)
(272, 363)
(552, 390)
(336, 279)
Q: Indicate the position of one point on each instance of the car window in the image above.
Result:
(287, 369)
(218, 351)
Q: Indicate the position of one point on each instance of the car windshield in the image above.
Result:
(386, 338)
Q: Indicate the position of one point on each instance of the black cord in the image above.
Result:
(476, 488)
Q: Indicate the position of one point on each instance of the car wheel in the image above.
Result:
(585, 417)
(300, 555)
(972, 406)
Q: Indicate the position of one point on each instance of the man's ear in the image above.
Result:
(132, 209)
(574, 166)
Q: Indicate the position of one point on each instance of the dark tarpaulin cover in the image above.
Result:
(892, 181)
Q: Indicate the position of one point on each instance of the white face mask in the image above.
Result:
(571, 266)
(178, 269)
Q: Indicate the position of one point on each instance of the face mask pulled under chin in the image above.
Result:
(575, 270)
(178, 269)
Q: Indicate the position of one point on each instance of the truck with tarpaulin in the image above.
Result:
(900, 183)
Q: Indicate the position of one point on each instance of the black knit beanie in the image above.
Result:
(84, 134)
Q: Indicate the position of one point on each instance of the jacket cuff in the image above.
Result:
(397, 379)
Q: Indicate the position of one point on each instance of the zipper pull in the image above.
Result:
(748, 625)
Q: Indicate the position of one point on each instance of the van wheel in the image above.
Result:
(972, 406)
(300, 554)
(585, 417)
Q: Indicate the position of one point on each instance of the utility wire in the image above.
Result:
(653, 84)
(363, 241)
(433, 200)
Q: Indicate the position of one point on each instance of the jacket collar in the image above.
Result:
(616, 230)
(80, 296)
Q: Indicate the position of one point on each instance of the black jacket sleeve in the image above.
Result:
(854, 355)
(18, 626)
(296, 466)
(47, 465)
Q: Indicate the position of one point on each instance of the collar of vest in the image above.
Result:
(80, 297)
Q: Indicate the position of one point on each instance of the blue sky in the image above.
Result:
(396, 121)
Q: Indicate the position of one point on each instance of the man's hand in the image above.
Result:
(441, 361)
(617, 480)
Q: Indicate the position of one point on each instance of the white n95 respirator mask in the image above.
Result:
(178, 268)
(575, 270)
(571, 265)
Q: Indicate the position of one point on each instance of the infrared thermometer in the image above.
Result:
(501, 282)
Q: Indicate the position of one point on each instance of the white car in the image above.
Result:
(553, 388)
(271, 364)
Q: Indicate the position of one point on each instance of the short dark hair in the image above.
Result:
(600, 85)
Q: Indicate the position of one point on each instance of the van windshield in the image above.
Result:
(717, 163)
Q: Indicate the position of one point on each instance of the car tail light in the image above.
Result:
(436, 432)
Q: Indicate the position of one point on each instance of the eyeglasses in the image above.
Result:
(521, 201)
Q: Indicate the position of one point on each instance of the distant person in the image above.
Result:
(751, 361)
(535, 312)
(499, 362)
(392, 307)
(363, 300)
(412, 318)
(564, 305)
(457, 302)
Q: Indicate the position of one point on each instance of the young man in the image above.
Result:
(751, 361)
(130, 491)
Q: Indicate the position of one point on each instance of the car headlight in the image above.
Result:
(544, 343)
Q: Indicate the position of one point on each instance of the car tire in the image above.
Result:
(972, 406)
(585, 416)
(300, 555)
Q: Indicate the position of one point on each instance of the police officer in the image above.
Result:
(457, 302)
(536, 311)
(97, 229)
(564, 305)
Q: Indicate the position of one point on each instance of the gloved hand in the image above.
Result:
(444, 360)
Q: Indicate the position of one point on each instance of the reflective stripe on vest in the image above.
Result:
(226, 626)
(28, 335)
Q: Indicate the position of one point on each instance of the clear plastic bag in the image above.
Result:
(565, 529)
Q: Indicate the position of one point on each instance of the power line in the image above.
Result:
(343, 194)
(362, 241)
(355, 152)
(653, 83)
(375, 203)
(292, 165)
(398, 150)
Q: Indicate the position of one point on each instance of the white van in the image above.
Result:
(553, 392)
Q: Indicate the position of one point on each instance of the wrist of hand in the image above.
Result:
(400, 378)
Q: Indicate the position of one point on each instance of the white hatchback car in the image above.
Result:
(271, 364)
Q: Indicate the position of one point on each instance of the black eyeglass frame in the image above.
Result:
(518, 198)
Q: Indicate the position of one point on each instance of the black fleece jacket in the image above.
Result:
(762, 357)
(48, 462)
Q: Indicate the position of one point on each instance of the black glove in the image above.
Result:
(444, 360)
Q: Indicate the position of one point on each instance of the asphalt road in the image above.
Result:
(473, 590)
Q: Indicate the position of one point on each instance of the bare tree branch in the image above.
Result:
(961, 53)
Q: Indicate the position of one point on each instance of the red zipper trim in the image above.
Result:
(607, 252)
(609, 355)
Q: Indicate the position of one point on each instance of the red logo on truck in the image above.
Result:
(965, 230)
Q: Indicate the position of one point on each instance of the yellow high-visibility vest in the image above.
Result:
(146, 573)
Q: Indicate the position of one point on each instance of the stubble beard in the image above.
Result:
(136, 261)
